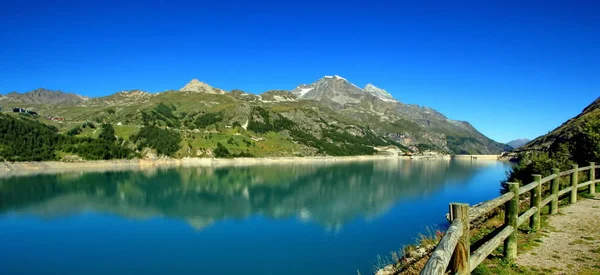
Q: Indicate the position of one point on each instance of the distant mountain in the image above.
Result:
(578, 137)
(419, 128)
(330, 116)
(132, 97)
(518, 142)
(277, 96)
(380, 93)
(196, 86)
(334, 91)
(44, 96)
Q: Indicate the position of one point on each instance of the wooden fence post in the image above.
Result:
(459, 263)
(511, 214)
(536, 201)
(554, 190)
(574, 183)
(592, 178)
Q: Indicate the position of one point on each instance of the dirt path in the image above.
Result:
(570, 243)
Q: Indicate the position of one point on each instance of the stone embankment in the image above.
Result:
(24, 168)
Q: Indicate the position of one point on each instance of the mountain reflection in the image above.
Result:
(330, 194)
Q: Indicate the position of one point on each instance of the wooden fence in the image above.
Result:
(453, 252)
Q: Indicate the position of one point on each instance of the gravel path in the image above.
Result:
(571, 242)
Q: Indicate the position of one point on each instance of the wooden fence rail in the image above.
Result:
(453, 252)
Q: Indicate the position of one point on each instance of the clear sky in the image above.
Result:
(511, 68)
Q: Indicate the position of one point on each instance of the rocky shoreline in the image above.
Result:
(35, 167)
(41, 167)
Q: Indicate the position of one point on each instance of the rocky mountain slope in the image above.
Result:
(328, 117)
(196, 86)
(576, 141)
(417, 127)
(579, 137)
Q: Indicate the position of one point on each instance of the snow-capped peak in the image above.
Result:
(335, 77)
(331, 83)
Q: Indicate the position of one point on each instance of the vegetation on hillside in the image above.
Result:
(196, 122)
(107, 133)
(575, 142)
(160, 115)
(164, 141)
(208, 119)
(262, 122)
(24, 139)
(222, 152)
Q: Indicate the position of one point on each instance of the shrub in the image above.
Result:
(107, 133)
(208, 119)
(165, 141)
(75, 131)
(221, 151)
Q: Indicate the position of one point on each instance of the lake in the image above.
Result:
(318, 218)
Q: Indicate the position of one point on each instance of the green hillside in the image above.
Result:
(199, 119)
(577, 141)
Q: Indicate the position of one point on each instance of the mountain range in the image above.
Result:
(330, 116)
(518, 142)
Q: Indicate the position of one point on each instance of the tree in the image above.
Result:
(587, 142)
(107, 133)
(221, 151)
(30, 140)
(75, 131)
(165, 141)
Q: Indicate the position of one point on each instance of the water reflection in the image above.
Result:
(329, 194)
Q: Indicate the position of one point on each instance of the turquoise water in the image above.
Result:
(279, 219)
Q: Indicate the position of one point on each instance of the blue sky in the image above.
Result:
(511, 68)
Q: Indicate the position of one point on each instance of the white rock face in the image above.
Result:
(134, 94)
(380, 93)
(303, 89)
(196, 86)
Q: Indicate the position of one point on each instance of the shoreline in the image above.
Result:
(44, 167)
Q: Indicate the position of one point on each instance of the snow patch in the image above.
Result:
(303, 91)
(335, 77)
(379, 93)
(387, 99)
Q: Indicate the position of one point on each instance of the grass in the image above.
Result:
(238, 140)
(405, 260)
(125, 131)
